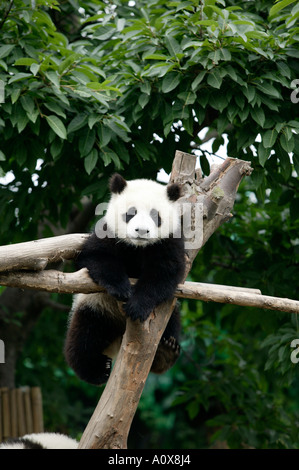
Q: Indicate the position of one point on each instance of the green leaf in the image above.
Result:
(214, 79)
(77, 123)
(2, 156)
(104, 32)
(25, 61)
(22, 120)
(143, 100)
(117, 128)
(258, 115)
(34, 68)
(269, 138)
(269, 89)
(296, 163)
(52, 106)
(204, 163)
(249, 92)
(196, 82)
(104, 134)
(56, 148)
(284, 69)
(286, 167)
(86, 141)
(172, 45)
(170, 82)
(145, 87)
(188, 97)
(115, 160)
(15, 95)
(92, 119)
(67, 63)
(57, 125)
(287, 144)
(279, 6)
(6, 50)
(53, 77)
(27, 103)
(155, 57)
(263, 154)
(106, 158)
(90, 161)
(19, 76)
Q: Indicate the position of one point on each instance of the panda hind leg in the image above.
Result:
(168, 349)
(89, 338)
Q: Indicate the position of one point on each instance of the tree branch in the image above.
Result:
(36, 255)
(6, 14)
(79, 281)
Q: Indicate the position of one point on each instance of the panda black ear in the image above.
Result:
(117, 183)
(174, 191)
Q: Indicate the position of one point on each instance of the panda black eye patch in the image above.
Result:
(156, 217)
(129, 214)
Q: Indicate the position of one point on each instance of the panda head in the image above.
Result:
(141, 211)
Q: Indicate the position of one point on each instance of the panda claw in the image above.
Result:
(172, 343)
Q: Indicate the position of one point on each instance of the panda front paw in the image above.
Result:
(121, 292)
(136, 310)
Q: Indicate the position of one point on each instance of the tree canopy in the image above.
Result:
(90, 87)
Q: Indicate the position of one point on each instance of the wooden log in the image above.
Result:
(6, 429)
(37, 409)
(21, 413)
(27, 409)
(35, 255)
(79, 281)
(13, 413)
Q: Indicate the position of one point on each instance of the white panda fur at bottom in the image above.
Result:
(43, 440)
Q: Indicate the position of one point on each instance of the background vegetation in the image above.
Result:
(90, 87)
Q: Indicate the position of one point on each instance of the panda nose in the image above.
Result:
(141, 231)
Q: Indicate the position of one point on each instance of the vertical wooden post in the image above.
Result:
(37, 409)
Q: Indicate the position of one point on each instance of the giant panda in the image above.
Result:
(43, 440)
(139, 237)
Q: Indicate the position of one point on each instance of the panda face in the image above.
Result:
(141, 212)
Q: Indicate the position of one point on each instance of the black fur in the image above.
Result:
(27, 443)
(158, 267)
(117, 183)
(91, 333)
(174, 191)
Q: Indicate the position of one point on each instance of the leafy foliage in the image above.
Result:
(89, 87)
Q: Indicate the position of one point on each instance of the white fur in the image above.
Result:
(49, 440)
(144, 195)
